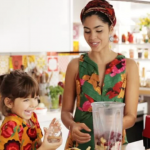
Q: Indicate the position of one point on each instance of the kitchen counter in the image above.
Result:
(134, 146)
(45, 119)
(144, 91)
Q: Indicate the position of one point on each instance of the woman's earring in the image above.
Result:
(111, 39)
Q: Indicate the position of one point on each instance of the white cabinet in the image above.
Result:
(50, 25)
(14, 26)
(35, 25)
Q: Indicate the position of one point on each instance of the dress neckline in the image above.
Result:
(21, 119)
(94, 64)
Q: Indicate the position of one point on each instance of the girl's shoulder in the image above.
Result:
(10, 123)
(12, 119)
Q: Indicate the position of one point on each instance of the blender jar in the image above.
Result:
(107, 123)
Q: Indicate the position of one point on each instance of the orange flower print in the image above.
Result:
(124, 140)
(69, 142)
(78, 91)
(86, 77)
(94, 80)
(122, 92)
(81, 58)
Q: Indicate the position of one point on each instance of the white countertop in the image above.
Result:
(45, 119)
(134, 146)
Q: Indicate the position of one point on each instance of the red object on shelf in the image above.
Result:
(130, 37)
(123, 38)
(146, 132)
(116, 39)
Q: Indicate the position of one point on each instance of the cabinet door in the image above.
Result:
(50, 25)
(14, 26)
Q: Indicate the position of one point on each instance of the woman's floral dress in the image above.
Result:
(88, 90)
(16, 134)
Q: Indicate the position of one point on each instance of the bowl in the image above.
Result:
(39, 110)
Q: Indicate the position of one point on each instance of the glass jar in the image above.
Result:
(139, 50)
(143, 79)
(146, 53)
(131, 53)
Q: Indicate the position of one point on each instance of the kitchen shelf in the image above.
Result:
(145, 60)
(130, 44)
(144, 91)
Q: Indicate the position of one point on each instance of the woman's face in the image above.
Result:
(96, 33)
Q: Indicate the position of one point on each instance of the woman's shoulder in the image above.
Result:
(75, 61)
(73, 64)
(131, 62)
(131, 65)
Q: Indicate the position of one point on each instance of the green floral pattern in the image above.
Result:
(89, 90)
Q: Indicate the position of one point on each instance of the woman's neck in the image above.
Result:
(103, 56)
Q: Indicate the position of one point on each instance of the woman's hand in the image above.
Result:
(77, 135)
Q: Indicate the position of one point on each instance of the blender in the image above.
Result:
(107, 124)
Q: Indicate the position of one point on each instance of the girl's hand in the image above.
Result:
(46, 145)
(77, 135)
(54, 127)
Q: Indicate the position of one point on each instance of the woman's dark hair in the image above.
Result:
(17, 84)
(102, 16)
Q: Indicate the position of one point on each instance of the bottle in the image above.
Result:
(131, 53)
(146, 39)
(143, 79)
(123, 38)
(146, 53)
(130, 37)
(138, 64)
(139, 50)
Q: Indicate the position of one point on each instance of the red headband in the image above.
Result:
(100, 6)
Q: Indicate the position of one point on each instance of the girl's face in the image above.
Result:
(96, 33)
(24, 107)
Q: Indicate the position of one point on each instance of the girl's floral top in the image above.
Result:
(16, 134)
(88, 90)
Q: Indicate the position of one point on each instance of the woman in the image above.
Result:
(100, 75)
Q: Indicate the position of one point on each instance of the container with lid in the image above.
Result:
(139, 50)
(146, 53)
(131, 53)
(107, 121)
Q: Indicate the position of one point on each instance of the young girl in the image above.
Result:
(20, 129)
